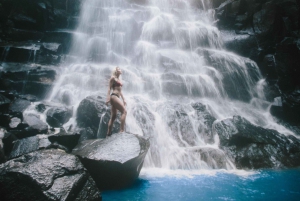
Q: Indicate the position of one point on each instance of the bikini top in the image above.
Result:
(117, 84)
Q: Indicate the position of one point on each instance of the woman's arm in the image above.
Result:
(123, 98)
(108, 92)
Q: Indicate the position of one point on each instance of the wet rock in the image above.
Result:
(263, 20)
(113, 162)
(87, 134)
(68, 140)
(289, 110)
(18, 106)
(179, 123)
(14, 122)
(58, 116)
(206, 121)
(30, 144)
(35, 125)
(214, 158)
(254, 147)
(46, 175)
(91, 110)
(40, 107)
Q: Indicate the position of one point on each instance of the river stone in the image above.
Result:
(254, 147)
(14, 122)
(46, 175)
(113, 162)
(58, 116)
(30, 144)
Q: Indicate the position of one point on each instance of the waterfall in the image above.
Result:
(173, 63)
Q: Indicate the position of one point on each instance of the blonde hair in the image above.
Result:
(114, 72)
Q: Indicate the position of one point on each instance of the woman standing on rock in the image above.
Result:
(115, 101)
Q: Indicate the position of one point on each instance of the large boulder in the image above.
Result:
(46, 175)
(254, 147)
(58, 116)
(18, 106)
(113, 162)
(91, 110)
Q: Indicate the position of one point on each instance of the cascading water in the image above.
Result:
(173, 61)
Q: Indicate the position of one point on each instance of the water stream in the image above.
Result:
(172, 58)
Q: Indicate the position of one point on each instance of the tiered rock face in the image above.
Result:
(267, 32)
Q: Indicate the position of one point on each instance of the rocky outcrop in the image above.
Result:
(46, 175)
(268, 33)
(115, 161)
(254, 147)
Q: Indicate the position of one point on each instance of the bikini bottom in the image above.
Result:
(113, 94)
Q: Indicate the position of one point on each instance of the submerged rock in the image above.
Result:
(115, 161)
(254, 147)
(46, 175)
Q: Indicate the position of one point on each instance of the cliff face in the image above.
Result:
(267, 31)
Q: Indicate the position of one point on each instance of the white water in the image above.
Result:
(171, 55)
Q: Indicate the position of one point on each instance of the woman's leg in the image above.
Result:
(118, 104)
(113, 115)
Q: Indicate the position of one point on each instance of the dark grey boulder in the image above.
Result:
(46, 175)
(30, 144)
(35, 125)
(58, 116)
(19, 105)
(113, 162)
(68, 140)
(254, 147)
(91, 110)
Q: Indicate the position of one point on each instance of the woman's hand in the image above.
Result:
(124, 102)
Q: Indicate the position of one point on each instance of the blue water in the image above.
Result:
(262, 185)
